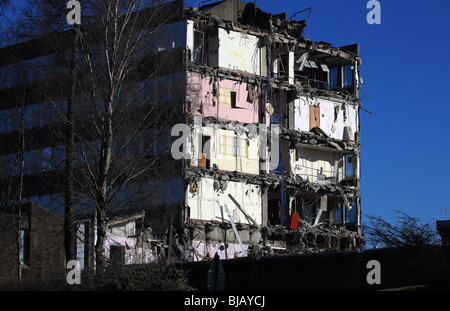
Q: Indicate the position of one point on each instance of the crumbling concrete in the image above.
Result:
(271, 240)
(274, 82)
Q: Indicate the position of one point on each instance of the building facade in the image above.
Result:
(278, 165)
(34, 241)
(266, 156)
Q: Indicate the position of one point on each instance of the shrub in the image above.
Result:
(149, 277)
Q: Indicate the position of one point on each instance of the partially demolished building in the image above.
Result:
(270, 163)
(275, 152)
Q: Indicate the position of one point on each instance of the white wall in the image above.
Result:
(205, 204)
(236, 50)
(333, 128)
(307, 162)
(123, 229)
(239, 51)
(190, 37)
(245, 159)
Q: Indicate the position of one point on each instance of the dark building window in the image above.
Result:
(25, 247)
(233, 99)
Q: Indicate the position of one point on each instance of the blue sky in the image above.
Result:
(405, 141)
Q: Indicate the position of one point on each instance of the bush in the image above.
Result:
(149, 277)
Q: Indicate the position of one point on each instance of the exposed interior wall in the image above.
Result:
(205, 201)
(202, 250)
(318, 166)
(283, 62)
(318, 209)
(226, 150)
(130, 243)
(239, 51)
(240, 54)
(223, 99)
(332, 117)
(134, 252)
(190, 38)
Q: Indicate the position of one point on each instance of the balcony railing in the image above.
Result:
(317, 84)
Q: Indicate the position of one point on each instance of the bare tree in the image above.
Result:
(127, 115)
(13, 164)
(407, 231)
(118, 101)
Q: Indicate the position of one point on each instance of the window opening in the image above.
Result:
(198, 46)
(348, 75)
(348, 165)
(25, 247)
(233, 99)
(204, 151)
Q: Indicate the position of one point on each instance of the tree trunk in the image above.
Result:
(101, 238)
(19, 211)
(68, 196)
(102, 195)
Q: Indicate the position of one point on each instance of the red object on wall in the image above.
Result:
(294, 221)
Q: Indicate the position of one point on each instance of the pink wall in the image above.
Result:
(133, 254)
(205, 100)
(202, 250)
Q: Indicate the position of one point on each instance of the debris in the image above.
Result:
(288, 61)
(242, 210)
(234, 227)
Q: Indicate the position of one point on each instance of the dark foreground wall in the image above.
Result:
(42, 244)
(327, 271)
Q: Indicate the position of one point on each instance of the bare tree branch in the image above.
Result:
(407, 231)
